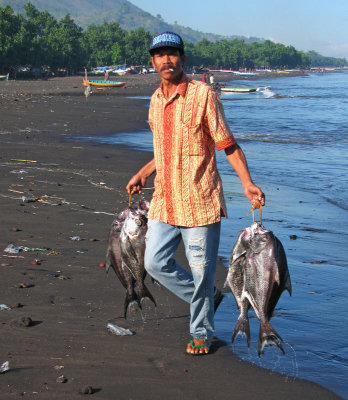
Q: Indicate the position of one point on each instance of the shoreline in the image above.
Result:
(71, 300)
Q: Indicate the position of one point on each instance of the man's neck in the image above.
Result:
(169, 86)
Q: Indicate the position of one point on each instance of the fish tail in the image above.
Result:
(143, 292)
(242, 328)
(130, 300)
(267, 337)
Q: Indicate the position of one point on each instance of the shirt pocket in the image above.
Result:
(193, 140)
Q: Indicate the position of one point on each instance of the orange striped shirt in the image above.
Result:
(186, 128)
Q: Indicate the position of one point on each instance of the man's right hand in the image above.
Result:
(138, 181)
(135, 184)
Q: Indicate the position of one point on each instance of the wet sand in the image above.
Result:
(77, 188)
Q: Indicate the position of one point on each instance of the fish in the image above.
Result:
(257, 276)
(125, 253)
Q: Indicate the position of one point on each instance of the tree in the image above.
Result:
(137, 44)
(9, 26)
(104, 44)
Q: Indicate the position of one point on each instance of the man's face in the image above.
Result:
(168, 62)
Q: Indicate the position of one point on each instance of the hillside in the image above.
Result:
(86, 12)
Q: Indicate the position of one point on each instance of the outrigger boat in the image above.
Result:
(4, 77)
(238, 89)
(101, 83)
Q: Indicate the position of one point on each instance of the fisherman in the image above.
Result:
(187, 121)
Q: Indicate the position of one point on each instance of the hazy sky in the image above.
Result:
(320, 25)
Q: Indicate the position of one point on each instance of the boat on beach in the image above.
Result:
(245, 73)
(237, 89)
(4, 77)
(102, 83)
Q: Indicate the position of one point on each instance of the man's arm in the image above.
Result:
(237, 160)
(139, 179)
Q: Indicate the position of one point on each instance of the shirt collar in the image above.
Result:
(181, 88)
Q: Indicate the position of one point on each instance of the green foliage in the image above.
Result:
(317, 60)
(38, 39)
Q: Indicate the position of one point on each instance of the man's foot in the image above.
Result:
(198, 347)
(218, 296)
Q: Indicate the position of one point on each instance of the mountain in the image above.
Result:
(87, 12)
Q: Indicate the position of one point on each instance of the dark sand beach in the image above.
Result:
(77, 188)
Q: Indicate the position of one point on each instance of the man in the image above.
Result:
(187, 121)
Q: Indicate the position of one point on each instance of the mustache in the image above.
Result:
(167, 66)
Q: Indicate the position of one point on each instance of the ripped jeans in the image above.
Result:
(197, 288)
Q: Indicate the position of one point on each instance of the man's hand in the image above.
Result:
(255, 195)
(135, 184)
(138, 181)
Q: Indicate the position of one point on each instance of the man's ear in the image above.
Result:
(153, 64)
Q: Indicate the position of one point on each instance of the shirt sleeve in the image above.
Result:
(216, 123)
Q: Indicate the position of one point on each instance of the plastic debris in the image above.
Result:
(11, 248)
(4, 367)
(4, 307)
(19, 160)
(32, 248)
(27, 199)
(118, 330)
(76, 238)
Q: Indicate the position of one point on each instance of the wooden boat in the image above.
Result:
(4, 77)
(238, 89)
(245, 73)
(102, 83)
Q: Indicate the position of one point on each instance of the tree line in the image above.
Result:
(37, 39)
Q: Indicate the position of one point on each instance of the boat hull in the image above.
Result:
(101, 83)
(237, 90)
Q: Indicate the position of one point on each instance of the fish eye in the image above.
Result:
(138, 222)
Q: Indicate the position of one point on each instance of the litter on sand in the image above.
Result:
(4, 367)
(12, 249)
(4, 307)
(118, 330)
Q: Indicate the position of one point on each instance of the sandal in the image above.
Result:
(196, 346)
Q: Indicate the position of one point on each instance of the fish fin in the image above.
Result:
(267, 337)
(107, 265)
(129, 302)
(288, 286)
(143, 293)
(242, 328)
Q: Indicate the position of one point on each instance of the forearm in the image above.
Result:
(147, 170)
(139, 179)
(238, 162)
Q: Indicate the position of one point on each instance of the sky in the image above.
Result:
(319, 25)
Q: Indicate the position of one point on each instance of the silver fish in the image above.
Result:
(258, 274)
(125, 253)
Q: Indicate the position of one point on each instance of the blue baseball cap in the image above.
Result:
(166, 39)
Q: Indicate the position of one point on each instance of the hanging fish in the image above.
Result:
(257, 275)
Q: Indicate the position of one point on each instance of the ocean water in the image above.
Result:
(294, 134)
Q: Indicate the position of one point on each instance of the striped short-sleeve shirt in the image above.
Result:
(186, 129)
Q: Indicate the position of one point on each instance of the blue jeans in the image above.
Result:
(197, 288)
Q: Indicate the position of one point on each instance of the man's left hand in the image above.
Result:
(255, 195)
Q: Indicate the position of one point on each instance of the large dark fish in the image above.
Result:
(258, 274)
(125, 253)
